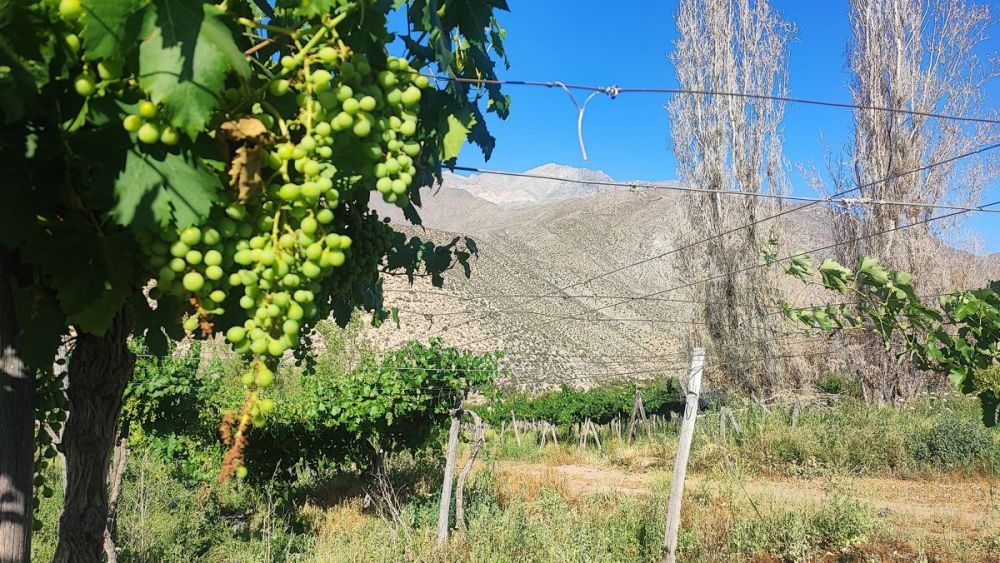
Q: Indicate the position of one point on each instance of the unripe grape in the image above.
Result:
(311, 270)
(290, 327)
(242, 472)
(285, 151)
(243, 257)
(336, 258)
(275, 348)
(149, 133)
(362, 128)
(351, 105)
(363, 68)
(295, 311)
(411, 96)
(147, 109)
(309, 225)
(265, 405)
(311, 191)
(387, 79)
(258, 346)
(132, 123)
(398, 187)
(327, 54)
(248, 379)
(367, 103)
(345, 242)
(214, 273)
(324, 216)
(193, 282)
(267, 257)
(408, 128)
(289, 192)
(169, 136)
(291, 280)
(323, 129)
(70, 10)
(289, 62)
(384, 185)
(235, 279)
(190, 323)
(217, 296)
(72, 41)
(344, 93)
(85, 85)
(211, 236)
(411, 149)
(421, 81)
(109, 69)
(178, 265)
(278, 87)
(193, 257)
(394, 97)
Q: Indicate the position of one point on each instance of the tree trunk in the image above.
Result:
(99, 370)
(17, 429)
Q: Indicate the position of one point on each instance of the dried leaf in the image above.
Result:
(244, 172)
(246, 129)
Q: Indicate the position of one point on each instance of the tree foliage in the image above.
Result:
(230, 156)
(958, 336)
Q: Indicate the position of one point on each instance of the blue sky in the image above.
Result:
(626, 43)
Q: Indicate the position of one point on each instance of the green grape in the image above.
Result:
(149, 133)
(132, 123)
(147, 109)
(169, 136)
(85, 85)
(236, 334)
(72, 41)
(193, 257)
(190, 323)
(242, 472)
(193, 282)
(109, 69)
(279, 87)
(70, 10)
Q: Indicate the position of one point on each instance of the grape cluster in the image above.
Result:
(264, 268)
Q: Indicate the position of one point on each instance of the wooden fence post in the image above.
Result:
(478, 439)
(513, 423)
(683, 450)
(449, 476)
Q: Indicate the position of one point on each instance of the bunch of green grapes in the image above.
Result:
(264, 269)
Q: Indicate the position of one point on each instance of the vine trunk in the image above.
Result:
(99, 370)
(17, 428)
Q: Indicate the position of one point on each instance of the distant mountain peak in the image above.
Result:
(516, 191)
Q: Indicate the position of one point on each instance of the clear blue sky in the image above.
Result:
(626, 43)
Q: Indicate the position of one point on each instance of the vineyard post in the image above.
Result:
(478, 439)
(642, 414)
(632, 417)
(513, 424)
(680, 462)
(795, 413)
(449, 476)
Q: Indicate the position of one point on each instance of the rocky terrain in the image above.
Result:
(538, 289)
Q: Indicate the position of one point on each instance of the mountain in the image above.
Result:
(540, 288)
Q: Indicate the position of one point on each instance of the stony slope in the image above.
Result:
(537, 236)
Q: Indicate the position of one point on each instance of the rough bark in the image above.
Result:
(478, 439)
(449, 475)
(99, 370)
(17, 428)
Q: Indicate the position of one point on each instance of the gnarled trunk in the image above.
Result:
(17, 428)
(99, 370)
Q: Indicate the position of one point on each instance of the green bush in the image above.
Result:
(599, 404)
(328, 419)
(951, 441)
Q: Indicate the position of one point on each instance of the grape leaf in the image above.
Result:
(40, 324)
(111, 27)
(91, 273)
(183, 62)
(458, 131)
(157, 190)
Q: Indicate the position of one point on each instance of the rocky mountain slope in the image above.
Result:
(538, 289)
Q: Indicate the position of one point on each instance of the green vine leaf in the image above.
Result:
(158, 190)
(110, 27)
(184, 59)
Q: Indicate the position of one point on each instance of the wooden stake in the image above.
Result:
(683, 450)
(449, 476)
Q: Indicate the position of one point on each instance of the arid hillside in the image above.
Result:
(552, 285)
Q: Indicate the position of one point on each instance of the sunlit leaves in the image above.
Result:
(184, 58)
